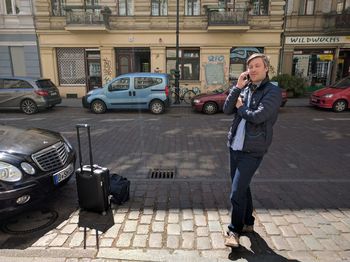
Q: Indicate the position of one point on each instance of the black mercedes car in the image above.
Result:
(33, 162)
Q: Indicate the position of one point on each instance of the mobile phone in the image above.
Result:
(247, 77)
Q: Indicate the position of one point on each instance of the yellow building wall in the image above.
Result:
(214, 49)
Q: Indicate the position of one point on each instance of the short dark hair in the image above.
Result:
(264, 57)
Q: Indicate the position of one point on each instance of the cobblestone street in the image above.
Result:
(300, 193)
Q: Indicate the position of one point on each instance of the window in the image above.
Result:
(159, 7)
(343, 5)
(290, 7)
(326, 6)
(120, 84)
(192, 7)
(12, 7)
(188, 62)
(58, 7)
(259, 7)
(126, 7)
(15, 84)
(45, 84)
(71, 66)
(307, 7)
(144, 82)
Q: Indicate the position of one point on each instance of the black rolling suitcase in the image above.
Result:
(93, 181)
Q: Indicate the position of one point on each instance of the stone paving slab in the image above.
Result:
(189, 228)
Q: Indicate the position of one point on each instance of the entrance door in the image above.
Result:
(94, 79)
(124, 63)
(131, 60)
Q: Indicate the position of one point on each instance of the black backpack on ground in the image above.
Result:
(119, 189)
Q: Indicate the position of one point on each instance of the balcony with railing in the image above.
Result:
(339, 22)
(227, 19)
(343, 20)
(87, 18)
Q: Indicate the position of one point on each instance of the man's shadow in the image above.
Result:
(255, 249)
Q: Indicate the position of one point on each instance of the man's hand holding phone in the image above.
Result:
(243, 80)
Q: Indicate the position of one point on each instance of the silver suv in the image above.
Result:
(28, 94)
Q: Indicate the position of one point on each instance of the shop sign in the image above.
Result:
(311, 40)
(327, 57)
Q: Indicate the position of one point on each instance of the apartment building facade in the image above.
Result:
(84, 44)
(18, 43)
(316, 40)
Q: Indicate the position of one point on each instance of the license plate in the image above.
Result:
(63, 174)
(314, 100)
(53, 93)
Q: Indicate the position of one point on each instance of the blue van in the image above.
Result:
(131, 91)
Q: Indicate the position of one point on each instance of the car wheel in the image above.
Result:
(157, 107)
(210, 108)
(340, 106)
(29, 107)
(98, 107)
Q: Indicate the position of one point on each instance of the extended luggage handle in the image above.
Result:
(87, 126)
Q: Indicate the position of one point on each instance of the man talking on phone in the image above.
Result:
(254, 101)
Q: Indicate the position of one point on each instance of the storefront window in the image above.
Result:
(192, 7)
(259, 7)
(126, 7)
(159, 7)
(58, 7)
(71, 66)
(313, 65)
(188, 63)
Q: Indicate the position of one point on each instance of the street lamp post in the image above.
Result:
(177, 71)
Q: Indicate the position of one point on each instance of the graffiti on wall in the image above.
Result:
(107, 70)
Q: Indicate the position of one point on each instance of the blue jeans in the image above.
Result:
(242, 168)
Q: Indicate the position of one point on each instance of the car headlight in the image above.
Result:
(196, 101)
(328, 95)
(9, 173)
(28, 168)
(67, 143)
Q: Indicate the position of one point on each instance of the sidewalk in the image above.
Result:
(184, 220)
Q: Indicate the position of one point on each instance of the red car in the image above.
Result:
(211, 103)
(336, 96)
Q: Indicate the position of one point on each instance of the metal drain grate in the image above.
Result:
(162, 173)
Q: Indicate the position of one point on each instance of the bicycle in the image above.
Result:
(185, 94)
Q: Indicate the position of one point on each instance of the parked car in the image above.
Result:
(211, 103)
(336, 96)
(29, 94)
(33, 163)
(131, 91)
